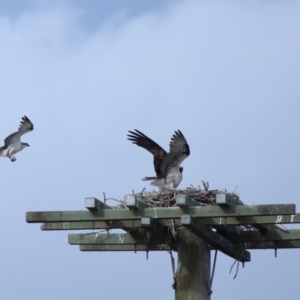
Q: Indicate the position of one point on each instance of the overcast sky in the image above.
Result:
(226, 73)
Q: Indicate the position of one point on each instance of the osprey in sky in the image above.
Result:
(166, 165)
(13, 144)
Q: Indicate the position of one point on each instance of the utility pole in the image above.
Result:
(188, 227)
(193, 272)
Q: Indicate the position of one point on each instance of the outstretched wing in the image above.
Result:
(143, 141)
(25, 126)
(179, 151)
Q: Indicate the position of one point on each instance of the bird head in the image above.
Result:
(25, 145)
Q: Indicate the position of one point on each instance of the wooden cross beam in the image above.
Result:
(214, 239)
(218, 222)
(161, 213)
(163, 247)
(126, 247)
(110, 239)
(257, 236)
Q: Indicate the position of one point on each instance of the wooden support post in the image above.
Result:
(193, 273)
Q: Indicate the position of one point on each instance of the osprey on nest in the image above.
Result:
(13, 144)
(166, 165)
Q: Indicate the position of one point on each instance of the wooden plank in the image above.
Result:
(92, 203)
(184, 201)
(244, 220)
(155, 228)
(256, 236)
(228, 199)
(272, 245)
(137, 247)
(215, 222)
(264, 228)
(163, 247)
(117, 224)
(121, 224)
(111, 238)
(147, 222)
(225, 199)
(159, 213)
(132, 201)
(214, 239)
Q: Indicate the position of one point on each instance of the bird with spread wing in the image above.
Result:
(13, 144)
(166, 165)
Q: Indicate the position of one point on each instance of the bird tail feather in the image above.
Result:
(1, 150)
(149, 178)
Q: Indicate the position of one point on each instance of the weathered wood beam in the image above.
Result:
(92, 203)
(117, 224)
(224, 199)
(229, 200)
(127, 247)
(272, 245)
(152, 224)
(155, 228)
(163, 247)
(214, 239)
(132, 201)
(111, 238)
(184, 201)
(265, 228)
(244, 220)
(256, 236)
(215, 222)
(103, 239)
(159, 213)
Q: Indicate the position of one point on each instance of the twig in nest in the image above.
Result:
(205, 184)
(114, 199)
(104, 198)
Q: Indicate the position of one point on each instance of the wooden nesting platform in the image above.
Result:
(150, 221)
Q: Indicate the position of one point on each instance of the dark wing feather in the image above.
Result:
(179, 151)
(25, 126)
(143, 141)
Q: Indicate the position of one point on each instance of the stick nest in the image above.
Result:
(203, 196)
